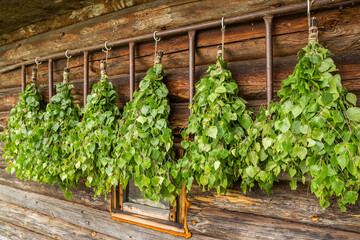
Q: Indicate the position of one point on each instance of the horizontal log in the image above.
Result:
(81, 216)
(232, 225)
(340, 32)
(296, 206)
(45, 225)
(13, 232)
(82, 195)
(22, 23)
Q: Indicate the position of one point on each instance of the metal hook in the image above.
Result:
(106, 47)
(67, 54)
(309, 4)
(156, 39)
(222, 22)
(37, 61)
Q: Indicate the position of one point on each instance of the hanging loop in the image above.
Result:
(37, 61)
(157, 39)
(67, 58)
(222, 22)
(67, 54)
(106, 51)
(106, 47)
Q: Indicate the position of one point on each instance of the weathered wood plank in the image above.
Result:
(45, 225)
(208, 221)
(83, 195)
(20, 23)
(13, 232)
(231, 225)
(76, 214)
(296, 206)
(161, 15)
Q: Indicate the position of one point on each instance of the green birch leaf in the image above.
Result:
(351, 98)
(351, 197)
(354, 113)
(212, 132)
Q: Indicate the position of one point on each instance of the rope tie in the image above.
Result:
(33, 76)
(313, 30)
(157, 39)
(66, 75)
(158, 56)
(103, 69)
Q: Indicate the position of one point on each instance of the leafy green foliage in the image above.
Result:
(19, 137)
(54, 159)
(218, 123)
(95, 138)
(145, 141)
(313, 131)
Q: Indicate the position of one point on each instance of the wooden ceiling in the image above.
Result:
(15, 14)
(21, 19)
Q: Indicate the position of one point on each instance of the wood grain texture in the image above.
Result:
(17, 23)
(13, 232)
(45, 225)
(83, 195)
(81, 216)
(203, 221)
(295, 206)
(224, 224)
(163, 15)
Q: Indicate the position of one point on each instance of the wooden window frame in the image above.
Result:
(171, 221)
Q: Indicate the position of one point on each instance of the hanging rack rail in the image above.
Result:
(291, 9)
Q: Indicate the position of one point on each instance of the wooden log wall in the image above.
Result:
(32, 211)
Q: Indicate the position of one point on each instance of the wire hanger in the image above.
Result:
(157, 39)
(34, 72)
(67, 58)
(222, 37)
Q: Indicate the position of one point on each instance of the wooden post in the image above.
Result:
(132, 68)
(86, 76)
(23, 78)
(269, 58)
(51, 79)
